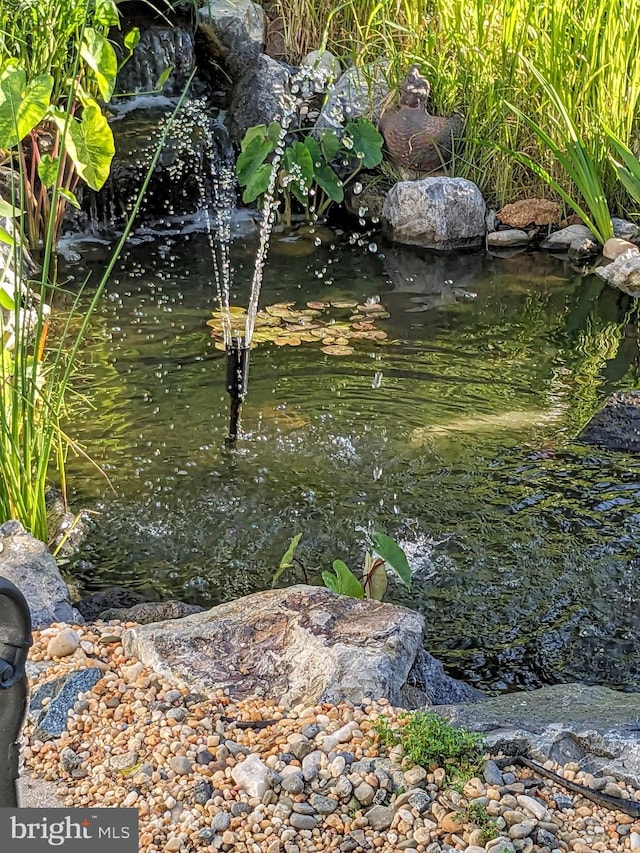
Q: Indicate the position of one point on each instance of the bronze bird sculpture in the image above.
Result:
(413, 138)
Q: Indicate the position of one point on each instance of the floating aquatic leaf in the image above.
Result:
(362, 326)
(278, 311)
(344, 303)
(338, 350)
(288, 340)
(342, 342)
(368, 307)
(317, 306)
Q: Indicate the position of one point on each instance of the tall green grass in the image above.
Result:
(478, 54)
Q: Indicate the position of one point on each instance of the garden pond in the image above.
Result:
(456, 434)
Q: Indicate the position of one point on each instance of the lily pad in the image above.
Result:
(344, 303)
(317, 306)
(338, 350)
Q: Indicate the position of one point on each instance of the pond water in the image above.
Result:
(456, 435)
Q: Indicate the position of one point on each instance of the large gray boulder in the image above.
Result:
(159, 48)
(240, 26)
(623, 273)
(302, 644)
(27, 563)
(261, 95)
(440, 213)
(597, 727)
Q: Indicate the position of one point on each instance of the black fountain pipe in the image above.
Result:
(15, 640)
(237, 381)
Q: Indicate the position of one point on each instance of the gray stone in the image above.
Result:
(492, 774)
(51, 720)
(180, 764)
(360, 91)
(364, 793)
(623, 273)
(114, 598)
(239, 25)
(293, 784)
(27, 563)
(561, 240)
(152, 611)
(510, 237)
(595, 726)
(260, 96)
(302, 821)
(419, 800)
(617, 425)
(297, 644)
(202, 792)
(69, 759)
(380, 818)
(583, 248)
(440, 213)
(428, 684)
(222, 821)
(323, 805)
(159, 48)
(624, 229)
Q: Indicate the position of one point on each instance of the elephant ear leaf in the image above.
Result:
(343, 581)
(393, 554)
(367, 142)
(22, 105)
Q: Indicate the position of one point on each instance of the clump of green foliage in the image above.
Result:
(314, 171)
(427, 739)
(342, 580)
(477, 813)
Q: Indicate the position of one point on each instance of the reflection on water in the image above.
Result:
(455, 435)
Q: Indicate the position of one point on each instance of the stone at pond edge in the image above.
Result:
(510, 237)
(617, 425)
(115, 597)
(360, 91)
(240, 26)
(616, 246)
(594, 726)
(159, 48)
(623, 273)
(27, 563)
(561, 241)
(151, 611)
(51, 720)
(258, 96)
(440, 213)
(530, 211)
(292, 645)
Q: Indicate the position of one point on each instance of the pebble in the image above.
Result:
(199, 782)
(63, 644)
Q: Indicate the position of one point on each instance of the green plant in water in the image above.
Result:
(340, 578)
(313, 171)
(427, 738)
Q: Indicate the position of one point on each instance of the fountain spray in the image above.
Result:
(237, 381)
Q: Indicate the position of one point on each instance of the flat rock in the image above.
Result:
(442, 214)
(259, 96)
(617, 425)
(151, 611)
(27, 563)
(301, 644)
(530, 211)
(560, 241)
(597, 727)
(616, 246)
(510, 237)
(51, 719)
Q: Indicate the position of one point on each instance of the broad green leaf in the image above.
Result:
(327, 179)
(258, 183)
(314, 149)
(330, 144)
(6, 299)
(132, 39)
(367, 142)
(252, 158)
(258, 131)
(9, 210)
(70, 197)
(48, 169)
(162, 79)
(297, 162)
(390, 551)
(22, 105)
(106, 13)
(89, 143)
(5, 237)
(101, 58)
(375, 584)
(273, 131)
(344, 581)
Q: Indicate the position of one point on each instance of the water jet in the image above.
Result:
(237, 381)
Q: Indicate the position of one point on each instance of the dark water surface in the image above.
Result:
(456, 436)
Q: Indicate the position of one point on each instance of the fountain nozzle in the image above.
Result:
(237, 381)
